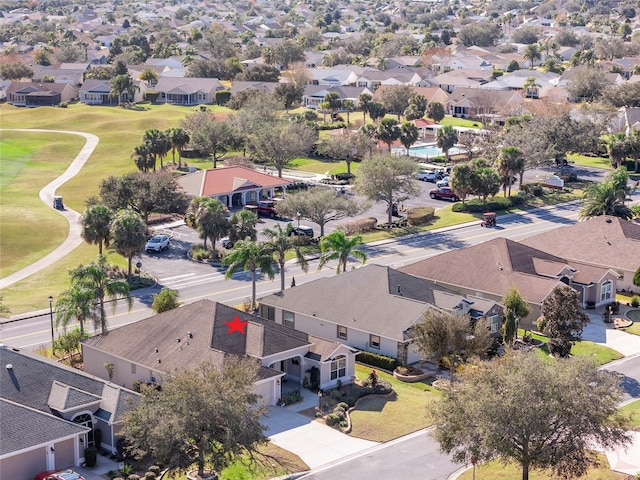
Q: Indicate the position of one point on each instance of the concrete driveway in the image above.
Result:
(315, 443)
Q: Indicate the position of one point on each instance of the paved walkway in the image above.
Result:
(605, 334)
(73, 239)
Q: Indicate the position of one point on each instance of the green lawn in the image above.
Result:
(382, 419)
(600, 354)
(271, 462)
(633, 410)
(496, 470)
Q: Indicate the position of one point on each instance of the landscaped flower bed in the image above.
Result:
(410, 374)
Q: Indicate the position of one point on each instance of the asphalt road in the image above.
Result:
(397, 460)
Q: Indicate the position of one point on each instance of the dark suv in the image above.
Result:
(444, 193)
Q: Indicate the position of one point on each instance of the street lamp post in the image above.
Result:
(139, 266)
(298, 217)
(53, 346)
(320, 401)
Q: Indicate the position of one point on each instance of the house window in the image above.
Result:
(605, 293)
(288, 320)
(342, 332)
(339, 367)
(494, 323)
(133, 368)
(374, 341)
(267, 312)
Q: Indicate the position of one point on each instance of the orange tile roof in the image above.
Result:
(220, 181)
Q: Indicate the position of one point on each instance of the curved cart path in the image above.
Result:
(46, 195)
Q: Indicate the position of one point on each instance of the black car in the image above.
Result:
(302, 231)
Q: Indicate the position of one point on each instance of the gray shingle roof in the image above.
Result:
(23, 427)
(63, 397)
(365, 299)
(154, 338)
(604, 241)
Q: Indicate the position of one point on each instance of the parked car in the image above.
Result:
(302, 230)
(266, 208)
(426, 176)
(226, 243)
(444, 193)
(58, 475)
(157, 243)
(444, 182)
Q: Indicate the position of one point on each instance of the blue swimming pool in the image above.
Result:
(428, 150)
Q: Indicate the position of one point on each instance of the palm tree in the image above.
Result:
(178, 139)
(242, 225)
(337, 246)
(605, 198)
(446, 138)
(128, 234)
(122, 84)
(158, 143)
(95, 279)
(349, 107)
(388, 131)
(509, 163)
(633, 143)
(209, 217)
(281, 242)
(149, 76)
(96, 225)
(532, 53)
(332, 101)
(250, 256)
(618, 148)
(364, 100)
(142, 157)
(408, 135)
(76, 303)
(531, 87)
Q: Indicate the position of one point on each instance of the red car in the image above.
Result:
(59, 475)
(444, 193)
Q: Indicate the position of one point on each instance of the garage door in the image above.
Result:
(266, 390)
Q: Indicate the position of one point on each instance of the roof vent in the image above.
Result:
(608, 220)
(178, 340)
(9, 366)
(189, 334)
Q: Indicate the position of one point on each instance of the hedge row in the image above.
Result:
(420, 215)
(361, 225)
(377, 360)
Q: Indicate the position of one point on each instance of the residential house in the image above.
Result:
(372, 308)
(49, 413)
(431, 94)
(372, 79)
(233, 186)
(183, 338)
(485, 104)
(603, 241)
(72, 76)
(97, 92)
(264, 87)
(30, 94)
(630, 118)
(339, 75)
(314, 94)
(517, 79)
(489, 269)
(187, 91)
(462, 79)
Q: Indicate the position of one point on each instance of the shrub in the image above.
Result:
(343, 405)
(292, 397)
(635, 301)
(223, 97)
(198, 252)
(155, 469)
(614, 306)
(133, 476)
(534, 189)
(91, 456)
(377, 360)
(332, 420)
(519, 199)
(361, 225)
(150, 476)
(63, 105)
(342, 176)
(420, 215)
(332, 126)
(151, 95)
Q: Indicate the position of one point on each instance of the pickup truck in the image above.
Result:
(266, 208)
